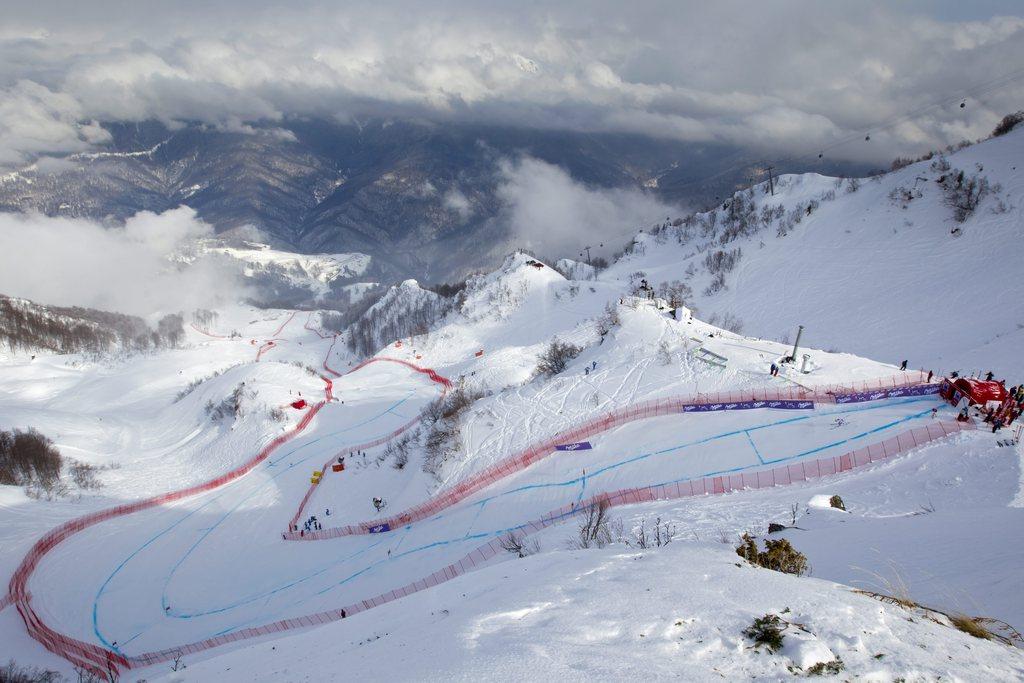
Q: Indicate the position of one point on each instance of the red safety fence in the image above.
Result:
(208, 333)
(523, 459)
(94, 658)
(327, 357)
(103, 661)
(323, 335)
(266, 346)
(778, 476)
(314, 330)
(445, 386)
(277, 333)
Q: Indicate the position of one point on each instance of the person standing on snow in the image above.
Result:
(772, 370)
(989, 376)
(903, 365)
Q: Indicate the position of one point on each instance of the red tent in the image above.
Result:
(977, 391)
(300, 404)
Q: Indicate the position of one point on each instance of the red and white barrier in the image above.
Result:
(434, 377)
(94, 658)
(208, 333)
(778, 476)
(103, 661)
(277, 333)
(521, 460)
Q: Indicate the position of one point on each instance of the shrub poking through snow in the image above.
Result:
(1009, 122)
(837, 502)
(608, 320)
(984, 628)
(970, 626)
(557, 356)
(779, 555)
(518, 545)
(230, 406)
(766, 631)
(964, 193)
(442, 437)
(12, 673)
(832, 668)
(397, 450)
(661, 534)
(84, 475)
(596, 530)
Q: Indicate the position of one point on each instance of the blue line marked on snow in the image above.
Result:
(479, 504)
(208, 530)
(754, 446)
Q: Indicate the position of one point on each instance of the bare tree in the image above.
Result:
(519, 545)
(595, 529)
(557, 356)
(659, 535)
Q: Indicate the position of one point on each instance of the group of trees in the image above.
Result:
(963, 193)
(556, 357)
(443, 417)
(28, 458)
(380, 324)
(28, 326)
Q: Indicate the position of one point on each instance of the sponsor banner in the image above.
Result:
(920, 390)
(380, 528)
(748, 405)
(579, 446)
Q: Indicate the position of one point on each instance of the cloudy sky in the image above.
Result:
(788, 77)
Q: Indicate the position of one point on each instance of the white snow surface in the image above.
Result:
(868, 274)
(938, 524)
(315, 272)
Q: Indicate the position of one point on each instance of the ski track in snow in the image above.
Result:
(212, 564)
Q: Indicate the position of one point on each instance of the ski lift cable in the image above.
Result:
(974, 92)
(960, 97)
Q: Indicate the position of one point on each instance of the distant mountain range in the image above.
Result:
(381, 188)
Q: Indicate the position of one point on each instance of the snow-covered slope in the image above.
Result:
(313, 272)
(869, 266)
(674, 613)
(225, 573)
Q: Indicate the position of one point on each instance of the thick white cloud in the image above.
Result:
(784, 76)
(34, 120)
(554, 215)
(65, 261)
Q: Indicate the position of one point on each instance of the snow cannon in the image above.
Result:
(317, 476)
